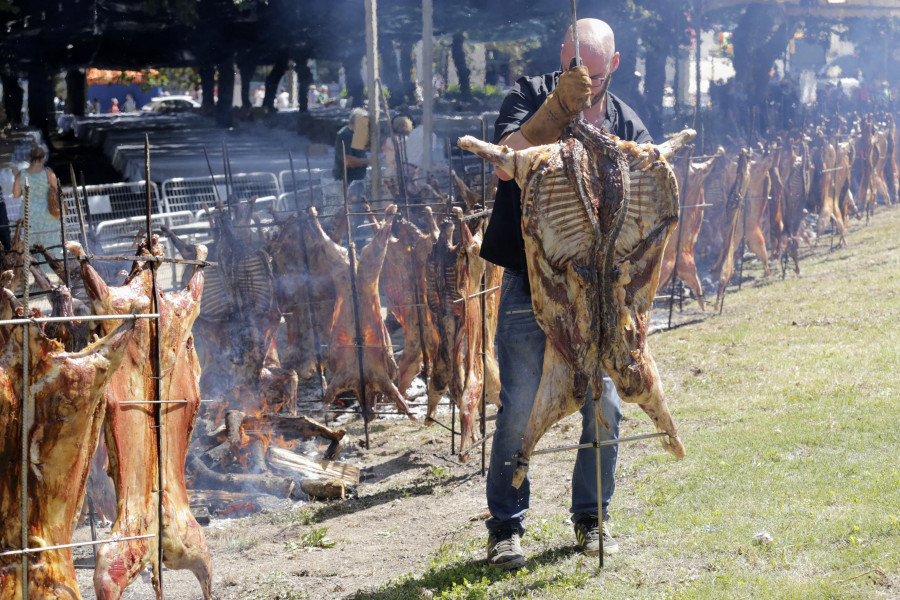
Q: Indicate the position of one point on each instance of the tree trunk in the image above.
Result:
(76, 92)
(462, 69)
(406, 83)
(272, 79)
(757, 44)
(13, 97)
(40, 100)
(226, 91)
(355, 87)
(207, 87)
(246, 67)
(304, 80)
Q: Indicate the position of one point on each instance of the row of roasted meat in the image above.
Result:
(761, 194)
(114, 386)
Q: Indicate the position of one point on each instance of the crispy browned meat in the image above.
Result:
(403, 274)
(379, 367)
(67, 397)
(733, 210)
(443, 292)
(291, 294)
(692, 198)
(758, 190)
(593, 266)
(131, 435)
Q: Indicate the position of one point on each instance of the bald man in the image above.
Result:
(537, 111)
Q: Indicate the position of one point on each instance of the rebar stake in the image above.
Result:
(308, 275)
(156, 358)
(359, 337)
(26, 388)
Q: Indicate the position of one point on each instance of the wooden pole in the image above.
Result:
(427, 85)
(373, 83)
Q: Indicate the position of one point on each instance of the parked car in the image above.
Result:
(171, 104)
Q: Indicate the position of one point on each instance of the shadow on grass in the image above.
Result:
(418, 488)
(442, 579)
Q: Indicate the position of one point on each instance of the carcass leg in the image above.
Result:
(687, 271)
(557, 381)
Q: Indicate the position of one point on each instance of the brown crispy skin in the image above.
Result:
(131, 437)
(597, 213)
(67, 390)
(379, 367)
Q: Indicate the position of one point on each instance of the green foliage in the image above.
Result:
(312, 540)
(488, 92)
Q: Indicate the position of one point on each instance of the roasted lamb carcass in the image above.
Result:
(379, 367)
(130, 431)
(734, 209)
(596, 215)
(685, 235)
(291, 293)
(403, 275)
(68, 391)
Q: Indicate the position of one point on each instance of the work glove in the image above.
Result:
(571, 96)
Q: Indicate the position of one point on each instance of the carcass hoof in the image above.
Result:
(673, 446)
(520, 473)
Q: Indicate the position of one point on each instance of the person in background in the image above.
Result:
(284, 99)
(130, 106)
(114, 107)
(537, 111)
(43, 200)
(357, 159)
(96, 104)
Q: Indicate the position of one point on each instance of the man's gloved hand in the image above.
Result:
(571, 96)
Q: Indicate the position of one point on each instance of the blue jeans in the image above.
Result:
(520, 354)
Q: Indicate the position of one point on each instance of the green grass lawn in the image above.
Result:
(788, 407)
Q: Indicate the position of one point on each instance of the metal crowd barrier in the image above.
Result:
(110, 202)
(189, 193)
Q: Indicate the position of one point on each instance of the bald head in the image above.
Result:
(597, 49)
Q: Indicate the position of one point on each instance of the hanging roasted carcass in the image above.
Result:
(67, 391)
(824, 195)
(240, 315)
(596, 215)
(685, 236)
(759, 187)
(403, 284)
(131, 430)
(342, 359)
(734, 209)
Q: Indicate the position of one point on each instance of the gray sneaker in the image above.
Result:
(588, 532)
(505, 550)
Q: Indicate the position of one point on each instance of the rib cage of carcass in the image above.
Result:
(596, 215)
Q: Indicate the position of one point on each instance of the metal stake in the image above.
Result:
(400, 161)
(90, 504)
(308, 274)
(156, 361)
(26, 390)
(687, 174)
(359, 337)
(78, 209)
(599, 476)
